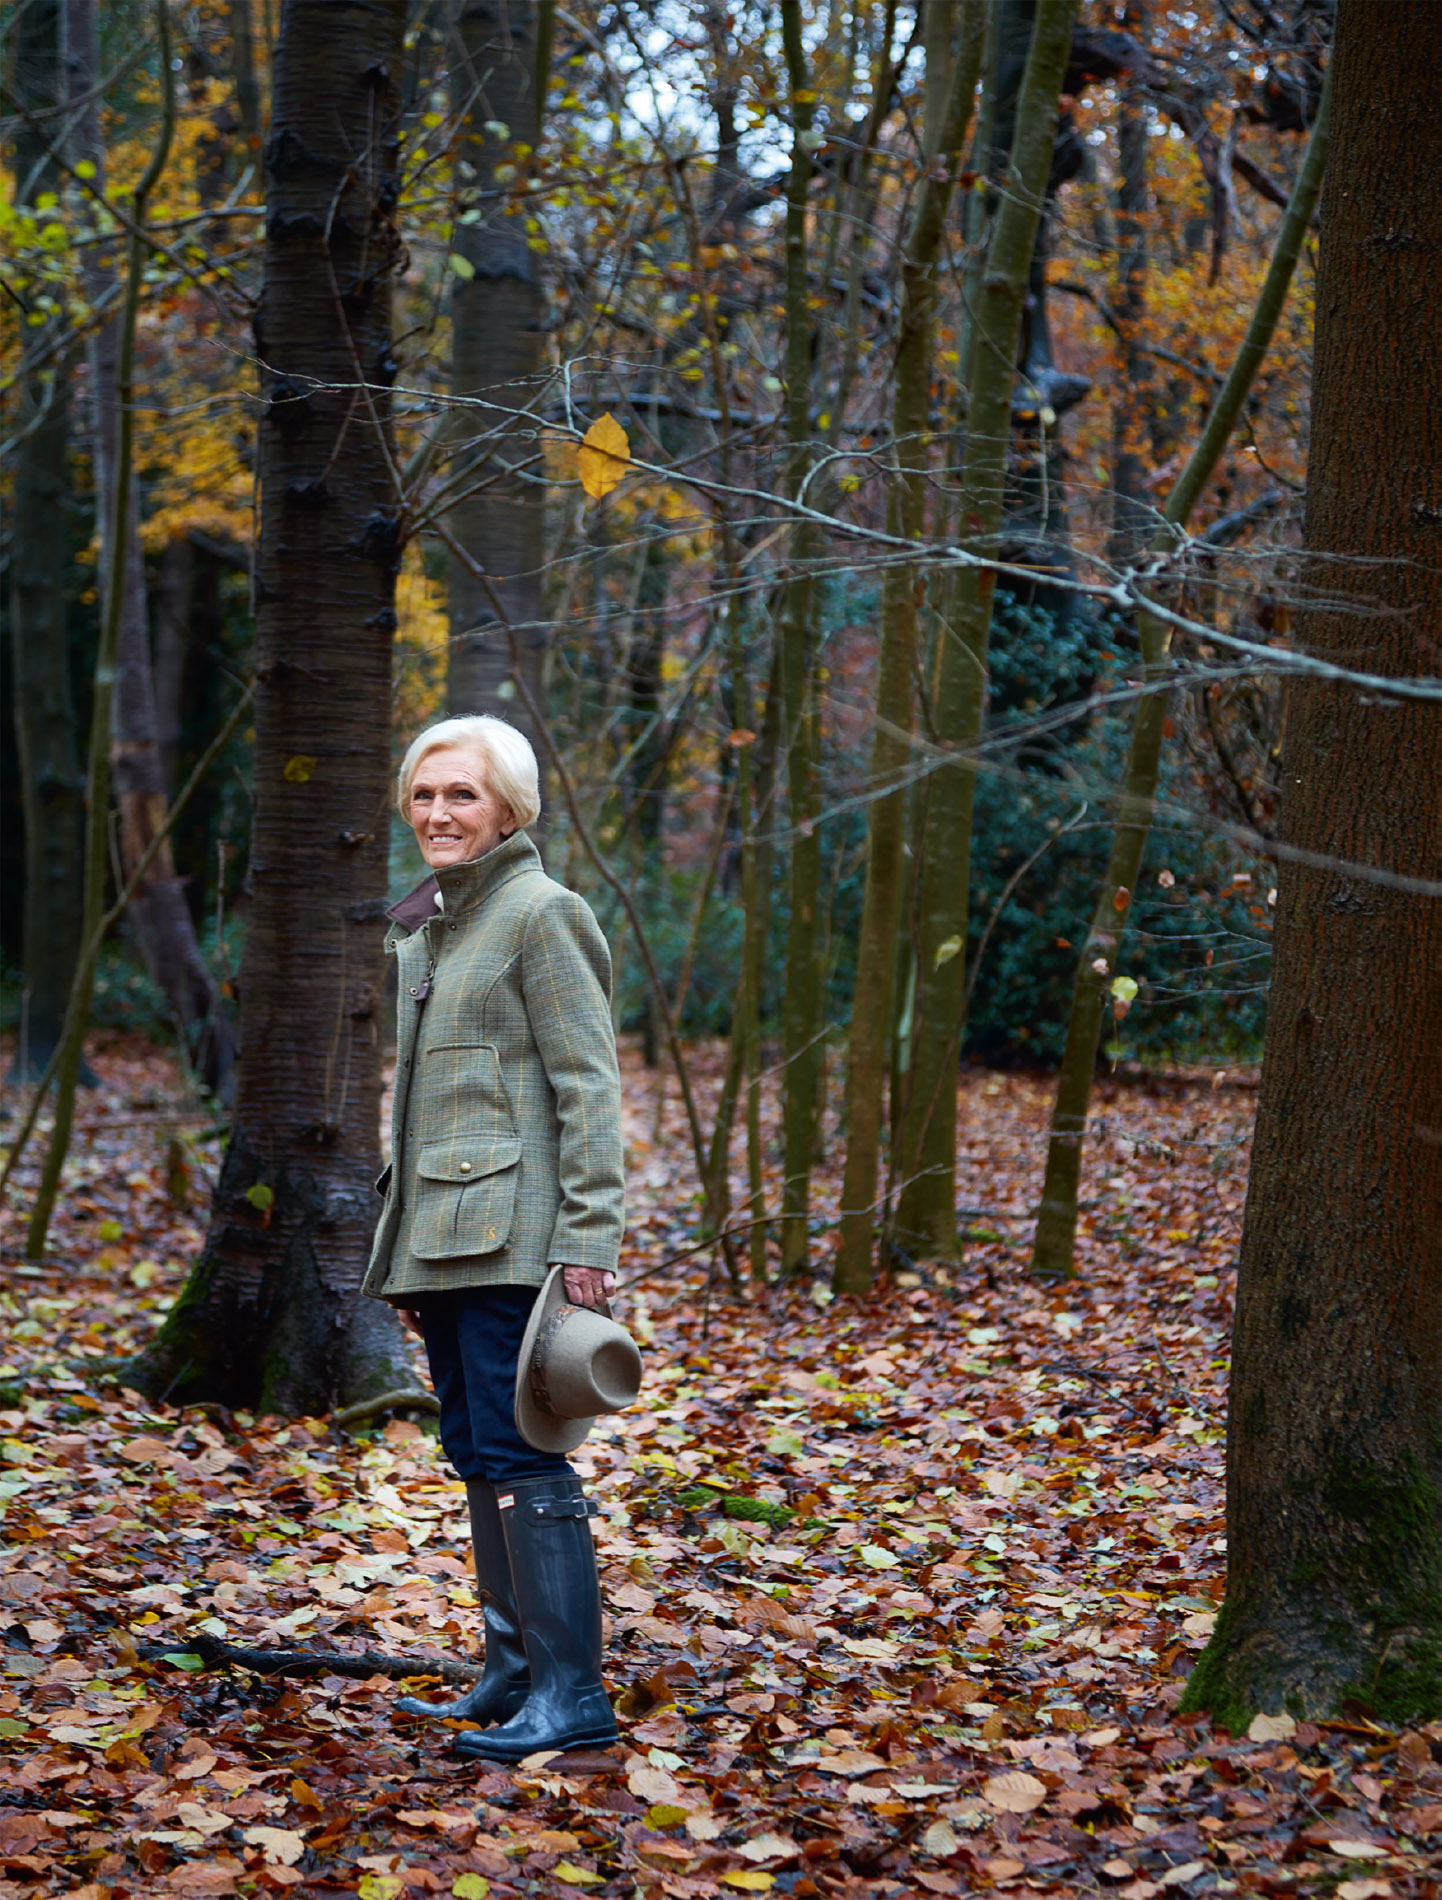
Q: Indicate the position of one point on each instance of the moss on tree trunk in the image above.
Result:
(1334, 1457)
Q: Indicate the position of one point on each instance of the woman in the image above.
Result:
(506, 1161)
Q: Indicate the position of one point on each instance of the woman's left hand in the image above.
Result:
(589, 1286)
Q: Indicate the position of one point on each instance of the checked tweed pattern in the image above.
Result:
(506, 1146)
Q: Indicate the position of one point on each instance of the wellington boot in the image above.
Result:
(553, 1562)
(505, 1680)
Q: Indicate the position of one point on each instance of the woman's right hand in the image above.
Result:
(411, 1320)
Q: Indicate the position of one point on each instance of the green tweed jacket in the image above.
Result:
(506, 1132)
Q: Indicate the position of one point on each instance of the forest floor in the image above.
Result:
(948, 1664)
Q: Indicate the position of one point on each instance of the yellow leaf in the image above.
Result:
(577, 1876)
(299, 770)
(749, 1880)
(602, 457)
(470, 1887)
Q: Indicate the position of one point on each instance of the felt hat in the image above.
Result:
(575, 1363)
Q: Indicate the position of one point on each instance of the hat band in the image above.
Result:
(546, 1337)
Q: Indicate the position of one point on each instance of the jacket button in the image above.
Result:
(465, 1167)
(415, 992)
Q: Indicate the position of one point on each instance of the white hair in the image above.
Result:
(505, 754)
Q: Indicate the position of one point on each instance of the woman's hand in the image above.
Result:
(411, 1320)
(589, 1286)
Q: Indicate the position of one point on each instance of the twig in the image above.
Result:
(215, 1653)
(1192, 1404)
(387, 1402)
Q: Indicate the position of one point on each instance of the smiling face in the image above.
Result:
(454, 813)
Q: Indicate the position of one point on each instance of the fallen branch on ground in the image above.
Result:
(215, 1653)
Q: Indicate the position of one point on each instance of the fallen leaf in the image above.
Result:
(1364, 1889)
(1271, 1728)
(575, 1876)
(940, 1840)
(195, 1767)
(749, 1880)
(1014, 1793)
(1180, 1876)
(470, 1887)
(769, 1847)
(1359, 1850)
(281, 1846)
(658, 1784)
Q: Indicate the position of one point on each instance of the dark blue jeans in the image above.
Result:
(473, 1340)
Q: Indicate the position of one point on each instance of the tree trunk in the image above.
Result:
(1334, 1451)
(926, 1162)
(496, 337)
(242, 73)
(902, 593)
(801, 1016)
(271, 1315)
(1053, 1252)
(1131, 516)
(159, 914)
(51, 784)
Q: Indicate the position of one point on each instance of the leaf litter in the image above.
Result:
(900, 1593)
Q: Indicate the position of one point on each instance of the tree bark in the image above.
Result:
(497, 319)
(1334, 1448)
(902, 593)
(271, 1315)
(926, 1161)
(1053, 1252)
(51, 783)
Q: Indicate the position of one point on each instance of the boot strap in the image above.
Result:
(562, 1507)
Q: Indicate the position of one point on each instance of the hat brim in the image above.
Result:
(542, 1431)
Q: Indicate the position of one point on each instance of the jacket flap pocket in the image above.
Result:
(467, 1158)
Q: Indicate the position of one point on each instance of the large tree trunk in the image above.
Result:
(51, 784)
(496, 338)
(159, 914)
(1334, 1453)
(271, 1315)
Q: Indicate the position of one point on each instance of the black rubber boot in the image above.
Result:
(553, 1562)
(506, 1680)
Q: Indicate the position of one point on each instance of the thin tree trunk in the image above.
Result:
(497, 319)
(926, 1161)
(174, 598)
(243, 77)
(114, 553)
(159, 916)
(271, 1315)
(802, 1011)
(51, 784)
(1054, 1249)
(1334, 1445)
(1130, 531)
(902, 594)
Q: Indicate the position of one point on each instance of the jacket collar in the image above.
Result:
(463, 886)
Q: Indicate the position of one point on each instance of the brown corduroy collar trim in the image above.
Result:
(464, 885)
